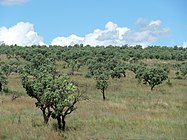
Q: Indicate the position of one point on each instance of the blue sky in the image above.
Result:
(146, 22)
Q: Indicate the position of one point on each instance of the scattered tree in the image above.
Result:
(101, 79)
(183, 69)
(56, 96)
(151, 75)
(5, 70)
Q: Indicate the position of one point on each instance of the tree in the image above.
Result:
(177, 68)
(35, 88)
(119, 71)
(5, 70)
(62, 94)
(56, 96)
(3, 81)
(183, 69)
(75, 66)
(151, 75)
(36, 74)
(102, 77)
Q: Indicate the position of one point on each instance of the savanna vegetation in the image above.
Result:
(83, 92)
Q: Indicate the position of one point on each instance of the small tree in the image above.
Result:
(5, 70)
(177, 67)
(118, 71)
(62, 94)
(151, 75)
(183, 69)
(35, 88)
(3, 81)
(101, 79)
(56, 96)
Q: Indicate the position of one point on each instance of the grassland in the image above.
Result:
(131, 112)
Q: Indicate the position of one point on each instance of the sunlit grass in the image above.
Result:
(131, 111)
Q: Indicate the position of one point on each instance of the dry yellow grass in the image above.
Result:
(131, 111)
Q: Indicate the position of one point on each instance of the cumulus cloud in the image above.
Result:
(12, 2)
(66, 41)
(145, 34)
(184, 45)
(21, 34)
(111, 35)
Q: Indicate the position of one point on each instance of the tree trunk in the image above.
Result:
(59, 122)
(46, 119)
(46, 115)
(152, 87)
(63, 123)
(103, 92)
(72, 70)
(1, 86)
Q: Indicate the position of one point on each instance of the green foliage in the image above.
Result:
(56, 95)
(102, 77)
(152, 75)
(183, 69)
(82, 54)
(136, 66)
(118, 69)
(5, 70)
(102, 80)
(3, 80)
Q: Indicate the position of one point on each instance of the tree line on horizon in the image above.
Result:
(126, 52)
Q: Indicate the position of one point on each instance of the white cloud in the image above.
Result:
(155, 23)
(111, 35)
(145, 34)
(184, 45)
(66, 41)
(12, 2)
(21, 34)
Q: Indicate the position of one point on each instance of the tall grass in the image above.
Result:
(131, 111)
